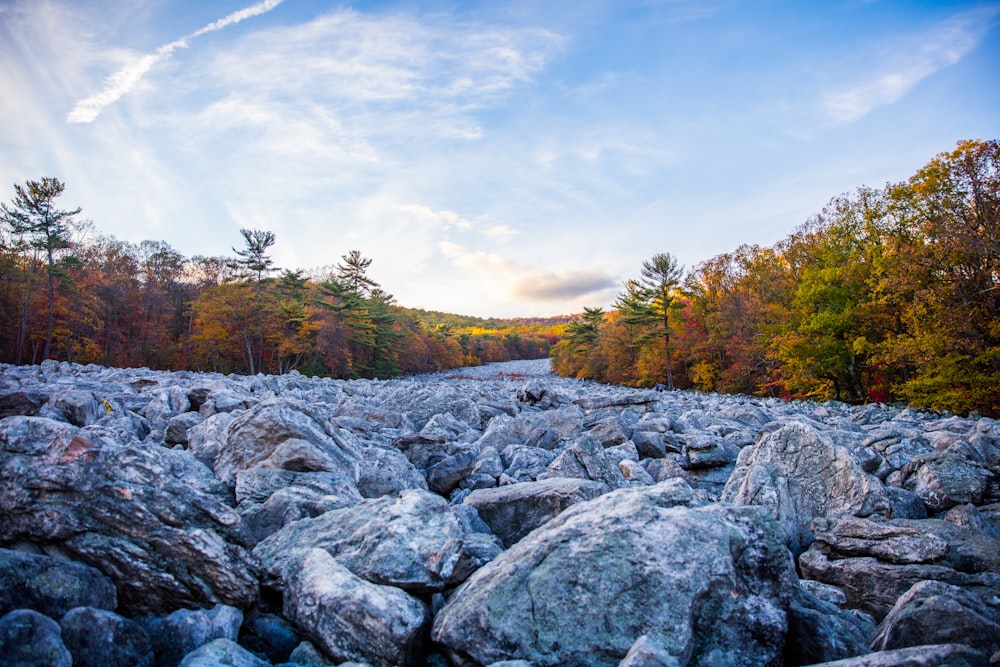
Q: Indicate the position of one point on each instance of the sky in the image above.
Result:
(497, 159)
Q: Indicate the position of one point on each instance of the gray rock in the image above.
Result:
(415, 541)
(513, 511)
(176, 432)
(525, 464)
(444, 476)
(798, 474)
(349, 618)
(78, 407)
(222, 653)
(99, 638)
(979, 520)
(586, 459)
(178, 634)
(699, 581)
(269, 635)
(647, 653)
(307, 654)
(384, 471)
(51, 586)
(875, 562)
(939, 613)
(29, 639)
(818, 631)
(286, 434)
(153, 520)
(205, 440)
(936, 655)
(943, 480)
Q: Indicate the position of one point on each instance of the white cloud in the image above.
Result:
(127, 77)
(907, 62)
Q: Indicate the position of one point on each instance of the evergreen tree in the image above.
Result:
(38, 226)
(661, 276)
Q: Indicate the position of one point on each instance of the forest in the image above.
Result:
(70, 294)
(886, 295)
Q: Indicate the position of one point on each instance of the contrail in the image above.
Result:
(122, 81)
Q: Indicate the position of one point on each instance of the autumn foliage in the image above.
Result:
(114, 303)
(888, 294)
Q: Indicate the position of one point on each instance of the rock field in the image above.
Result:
(489, 516)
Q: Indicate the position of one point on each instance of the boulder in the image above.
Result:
(348, 617)
(99, 638)
(269, 635)
(30, 639)
(414, 541)
(222, 653)
(515, 510)
(875, 562)
(205, 440)
(51, 586)
(647, 653)
(181, 632)
(818, 631)
(586, 459)
(176, 432)
(939, 613)
(798, 473)
(935, 655)
(153, 520)
(706, 584)
(286, 434)
(944, 480)
(386, 471)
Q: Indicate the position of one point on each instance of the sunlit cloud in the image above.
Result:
(909, 62)
(561, 287)
(127, 77)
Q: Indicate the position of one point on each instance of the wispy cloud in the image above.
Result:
(126, 78)
(907, 62)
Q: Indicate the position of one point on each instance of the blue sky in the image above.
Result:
(493, 159)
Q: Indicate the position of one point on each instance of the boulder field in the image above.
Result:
(488, 516)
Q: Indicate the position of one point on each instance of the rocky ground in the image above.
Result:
(490, 516)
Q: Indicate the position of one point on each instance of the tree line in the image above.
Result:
(69, 294)
(886, 295)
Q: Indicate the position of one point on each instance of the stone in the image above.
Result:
(513, 511)
(181, 632)
(269, 635)
(30, 639)
(205, 440)
(153, 520)
(51, 586)
(222, 653)
(939, 613)
(176, 432)
(100, 638)
(350, 618)
(876, 562)
(705, 583)
(944, 480)
(647, 653)
(798, 473)
(818, 631)
(936, 655)
(586, 459)
(414, 541)
(286, 434)
(386, 471)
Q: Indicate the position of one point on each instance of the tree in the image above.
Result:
(353, 273)
(661, 275)
(256, 263)
(39, 226)
(253, 259)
